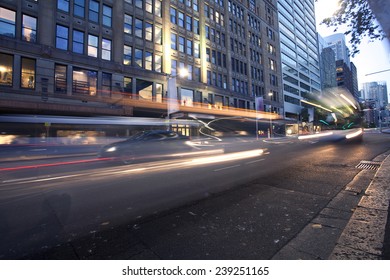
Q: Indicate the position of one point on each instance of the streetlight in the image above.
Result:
(270, 94)
(173, 105)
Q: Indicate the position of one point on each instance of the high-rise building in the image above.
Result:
(327, 64)
(299, 52)
(338, 44)
(85, 57)
(376, 101)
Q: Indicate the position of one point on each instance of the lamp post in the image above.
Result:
(270, 94)
(172, 105)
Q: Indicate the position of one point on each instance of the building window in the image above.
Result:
(189, 47)
(138, 57)
(196, 26)
(62, 37)
(28, 73)
(79, 8)
(158, 35)
(158, 63)
(78, 41)
(7, 22)
(196, 50)
(159, 92)
(189, 23)
(148, 31)
(107, 15)
(173, 67)
(92, 45)
(173, 15)
(173, 41)
(139, 32)
(6, 69)
(149, 6)
(157, 8)
(60, 80)
(195, 5)
(139, 3)
(128, 24)
(84, 81)
(106, 49)
(63, 5)
(128, 85)
(181, 44)
(29, 29)
(148, 60)
(181, 19)
(106, 84)
(127, 55)
(93, 11)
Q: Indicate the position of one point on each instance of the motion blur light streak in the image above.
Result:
(349, 101)
(354, 134)
(227, 157)
(318, 135)
(52, 164)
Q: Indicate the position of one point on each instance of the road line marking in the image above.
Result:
(254, 161)
(224, 168)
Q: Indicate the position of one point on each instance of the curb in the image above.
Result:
(363, 237)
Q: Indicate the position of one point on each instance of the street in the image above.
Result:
(243, 207)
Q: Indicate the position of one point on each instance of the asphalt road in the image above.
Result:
(203, 208)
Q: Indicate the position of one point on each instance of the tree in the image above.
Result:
(361, 17)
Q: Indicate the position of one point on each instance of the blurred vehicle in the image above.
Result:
(148, 145)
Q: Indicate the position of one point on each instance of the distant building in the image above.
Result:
(327, 64)
(376, 101)
(338, 44)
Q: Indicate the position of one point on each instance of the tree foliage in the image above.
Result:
(360, 20)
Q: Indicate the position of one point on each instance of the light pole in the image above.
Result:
(270, 94)
(173, 105)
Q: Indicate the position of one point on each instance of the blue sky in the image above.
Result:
(373, 56)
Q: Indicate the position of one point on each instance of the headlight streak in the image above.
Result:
(111, 149)
(318, 135)
(349, 101)
(354, 134)
(154, 167)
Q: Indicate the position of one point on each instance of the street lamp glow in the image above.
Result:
(183, 72)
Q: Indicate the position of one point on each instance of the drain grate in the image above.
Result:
(369, 165)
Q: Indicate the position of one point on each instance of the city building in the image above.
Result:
(375, 98)
(338, 44)
(327, 64)
(299, 53)
(116, 57)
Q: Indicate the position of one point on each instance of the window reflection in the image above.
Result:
(29, 29)
(60, 78)
(28, 73)
(7, 22)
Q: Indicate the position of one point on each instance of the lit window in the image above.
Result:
(7, 22)
(127, 84)
(84, 81)
(6, 69)
(92, 45)
(106, 49)
(197, 50)
(62, 37)
(78, 41)
(29, 29)
(28, 73)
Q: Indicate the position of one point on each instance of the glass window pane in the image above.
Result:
(6, 69)
(29, 28)
(60, 82)
(7, 22)
(28, 73)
